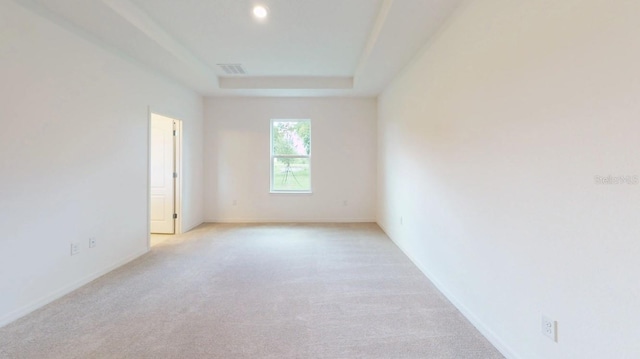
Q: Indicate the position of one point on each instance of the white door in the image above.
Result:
(162, 181)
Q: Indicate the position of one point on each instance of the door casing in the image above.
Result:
(178, 169)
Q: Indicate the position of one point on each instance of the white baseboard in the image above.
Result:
(482, 328)
(295, 220)
(185, 230)
(39, 303)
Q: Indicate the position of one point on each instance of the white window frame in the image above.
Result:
(274, 156)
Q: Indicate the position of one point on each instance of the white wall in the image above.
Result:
(343, 167)
(73, 158)
(488, 147)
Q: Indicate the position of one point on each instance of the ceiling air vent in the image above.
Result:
(232, 69)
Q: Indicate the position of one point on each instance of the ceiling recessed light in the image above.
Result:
(260, 12)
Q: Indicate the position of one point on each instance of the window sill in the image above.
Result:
(291, 192)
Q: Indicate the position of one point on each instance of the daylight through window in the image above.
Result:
(291, 156)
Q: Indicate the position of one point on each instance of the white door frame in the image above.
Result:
(178, 169)
(178, 182)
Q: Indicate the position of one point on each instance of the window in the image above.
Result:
(291, 156)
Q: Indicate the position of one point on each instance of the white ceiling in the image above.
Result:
(304, 48)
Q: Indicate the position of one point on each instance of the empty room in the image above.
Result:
(320, 179)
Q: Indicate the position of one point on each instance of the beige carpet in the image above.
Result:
(255, 291)
(159, 238)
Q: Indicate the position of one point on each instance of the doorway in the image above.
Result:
(164, 175)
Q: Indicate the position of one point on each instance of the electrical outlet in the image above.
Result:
(92, 242)
(75, 248)
(550, 328)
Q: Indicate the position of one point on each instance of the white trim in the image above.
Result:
(177, 190)
(148, 177)
(38, 303)
(291, 156)
(178, 181)
(472, 318)
(293, 220)
(273, 157)
(192, 227)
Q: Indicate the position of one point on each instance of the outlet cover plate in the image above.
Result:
(550, 328)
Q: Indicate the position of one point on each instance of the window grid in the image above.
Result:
(290, 168)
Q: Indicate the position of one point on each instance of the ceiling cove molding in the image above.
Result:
(379, 23)
(143, 22)
(286, 82)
